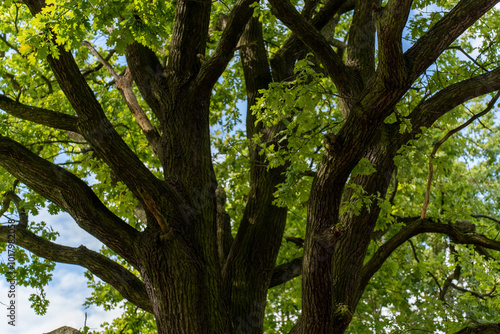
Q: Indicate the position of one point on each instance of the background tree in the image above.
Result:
(358, 146)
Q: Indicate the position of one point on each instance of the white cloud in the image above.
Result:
(70, 234)
(66, 292)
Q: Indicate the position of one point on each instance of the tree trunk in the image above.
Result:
(186, 293)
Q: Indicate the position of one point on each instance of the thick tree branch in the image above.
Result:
(428, 111)
(362, 225)
(224, 237)
(309, 8)
(299, 242)
(70, 193)
(361, 45)
(189, 37)
(260, 232)
(415, 226)
(124, 85)
(50, 118)
(329, 10)
(158, 196)
(391, 22)
(129, 286)
(212, 68)
(148, 74)
(286, 272)
(481, 329)
(283, 60)
(305, 30)
(439, 37)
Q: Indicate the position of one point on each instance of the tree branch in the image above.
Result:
(481, 329)
(299, 242)
(487, 217)
(390, 25)
(212, 68)
(450, 133)
(11, 196)
(224, 237)
(148, 73)
(189, 37)
(53, 119)
(124, 85)
(415, 226)
(104, 62)
(286, 272)
(310, 36)
(3, 38)
(459, 48)
(453, 276)
(428, 272)
(157, 195)
(283, 60)
(129, 286)
(428, 47)
(261, 228)
(428, 111)
(475, 294)
(15, 84)
(361, 45)
(71, 194)
(309, 8)
(99, 65)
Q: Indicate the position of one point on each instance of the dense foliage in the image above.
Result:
(363, 137)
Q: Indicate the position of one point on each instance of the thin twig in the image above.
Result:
(490, 106)
(3, 38)
(459, 48)
(430, 274)
(98, 66)
(487, 217)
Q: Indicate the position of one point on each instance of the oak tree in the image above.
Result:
(356, 191)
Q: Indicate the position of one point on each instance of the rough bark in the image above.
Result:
(255, 248)
(50, 118)
(481, 329)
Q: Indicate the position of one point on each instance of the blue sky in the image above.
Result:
(66, 292)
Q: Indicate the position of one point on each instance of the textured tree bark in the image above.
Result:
(249, 266)
(481, 329)
(187, 295)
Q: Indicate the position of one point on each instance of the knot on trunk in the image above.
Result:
(342, 316)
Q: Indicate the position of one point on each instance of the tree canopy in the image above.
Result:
(280, 166)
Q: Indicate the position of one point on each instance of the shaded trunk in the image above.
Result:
(334, 255)
(181, 265)
(186, 293)
(249, 266)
